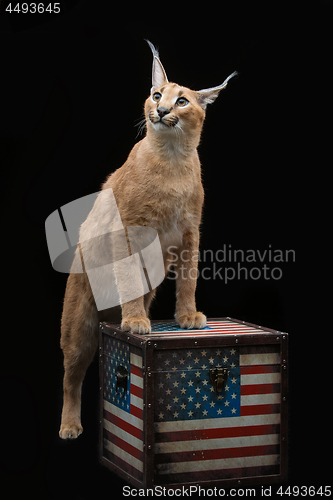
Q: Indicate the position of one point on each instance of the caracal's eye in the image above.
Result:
(182, 101)
(157, 96)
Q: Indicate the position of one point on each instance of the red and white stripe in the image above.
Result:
(219, 448)
(123, 431)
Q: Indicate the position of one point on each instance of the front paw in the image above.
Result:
(139, 325)
(194, 320)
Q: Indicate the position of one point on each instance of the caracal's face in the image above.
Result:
(172, 107)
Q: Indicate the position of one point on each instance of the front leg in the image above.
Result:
(134, 317)
(186, 268)
(131, 284)
(132, 287)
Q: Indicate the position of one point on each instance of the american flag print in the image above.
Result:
(197, 435)
(184, 388)
(118, 355)
(206, 438)
(123, 427)
(213, 327)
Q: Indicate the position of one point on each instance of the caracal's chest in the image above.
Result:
(175, 210)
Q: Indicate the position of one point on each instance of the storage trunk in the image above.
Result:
(194, 407)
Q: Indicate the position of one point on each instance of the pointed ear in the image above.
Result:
(159, 75)
(208, 96)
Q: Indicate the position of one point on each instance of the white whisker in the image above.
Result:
(179, 131)
(178, 127)
(141, 126)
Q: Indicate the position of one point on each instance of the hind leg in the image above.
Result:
(79, 342)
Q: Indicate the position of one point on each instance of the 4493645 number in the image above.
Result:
(304, 491)
(32, 8)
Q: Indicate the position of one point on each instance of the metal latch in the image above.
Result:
(121, 378)
(218, 378)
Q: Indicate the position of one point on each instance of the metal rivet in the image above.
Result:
(149, 343)
(236, 341)
(149, 368)
(284, 398)
(195, 343)
(155, 345)
(128, 338)
(284, 367)
(149, 405)
(149, 374)
(149, 447)
(277, 338)
(283, 336)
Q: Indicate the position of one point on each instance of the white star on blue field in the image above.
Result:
(183, 389)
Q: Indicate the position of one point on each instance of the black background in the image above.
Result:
(72, 88)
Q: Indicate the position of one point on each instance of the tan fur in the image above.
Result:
(158, 186)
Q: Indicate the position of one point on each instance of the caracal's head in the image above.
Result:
(172, 108)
